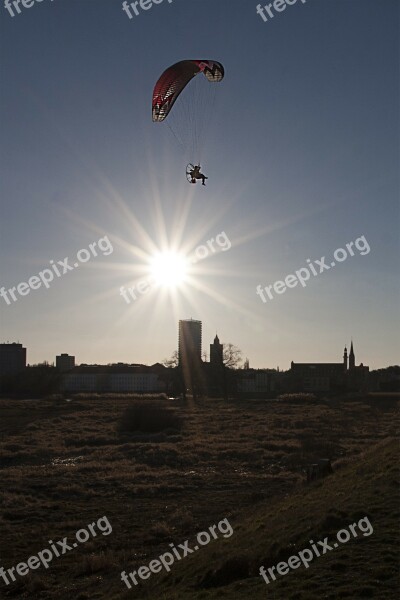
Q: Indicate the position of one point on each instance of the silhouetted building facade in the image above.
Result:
(190, 363)
(318, 377)
(65, 362)
(257, 383)
(215, 370)
(324, 377)
(216, 352)
(114, 379)
(12, 359)
(357, 376)
(189, 343)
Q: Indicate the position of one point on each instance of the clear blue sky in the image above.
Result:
(302, 158)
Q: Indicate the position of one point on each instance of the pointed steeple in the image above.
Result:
(352, 358)
(345, 358)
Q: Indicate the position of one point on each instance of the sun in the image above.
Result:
(169, 269)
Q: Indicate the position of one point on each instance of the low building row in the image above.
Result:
(118, 379)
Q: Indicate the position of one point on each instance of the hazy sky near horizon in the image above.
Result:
(302, 158)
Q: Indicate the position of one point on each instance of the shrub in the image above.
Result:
(149, 417)
(161, 531)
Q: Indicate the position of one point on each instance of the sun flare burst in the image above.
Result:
(169, 269)
(163, 271)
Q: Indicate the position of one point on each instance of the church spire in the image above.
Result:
(352, 358)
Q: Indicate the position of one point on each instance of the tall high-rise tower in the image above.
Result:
(189, 348)
(352, 358)
(190, 363)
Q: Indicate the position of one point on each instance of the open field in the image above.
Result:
(67, 464)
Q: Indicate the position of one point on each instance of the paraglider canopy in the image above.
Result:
(175, 79)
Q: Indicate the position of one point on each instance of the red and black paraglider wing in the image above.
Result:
(176, 78)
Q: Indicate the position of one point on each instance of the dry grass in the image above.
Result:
(66, 464)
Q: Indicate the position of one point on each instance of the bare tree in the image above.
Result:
(232, 356)
(173, 361)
